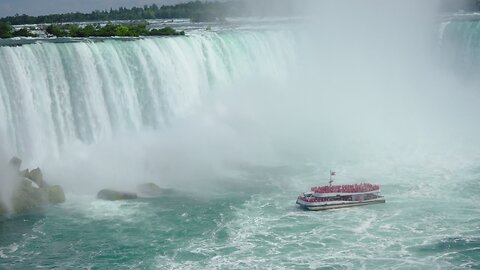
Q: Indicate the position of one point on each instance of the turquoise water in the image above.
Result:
(81, 110)
(53, 95)
(430, 221)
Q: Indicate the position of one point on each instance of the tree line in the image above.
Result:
(196, 11)
(92, 30)
(7, 31)
(109, 30)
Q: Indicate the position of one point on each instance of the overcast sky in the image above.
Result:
(42, 7)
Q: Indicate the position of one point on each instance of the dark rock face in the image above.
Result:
(55, 194)
(36, 176)
(150, 190)
(27, 196)
(3, 209)
(15, 163)
(31, 191)
(112, 195)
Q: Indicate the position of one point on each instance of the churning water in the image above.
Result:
(229, 121)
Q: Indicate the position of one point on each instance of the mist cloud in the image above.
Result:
(368, 85)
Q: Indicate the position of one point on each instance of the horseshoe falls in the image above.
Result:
(61, 93)
(234, 123)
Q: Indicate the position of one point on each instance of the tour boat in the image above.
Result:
(340, 196)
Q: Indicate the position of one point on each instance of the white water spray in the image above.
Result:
(360, 83)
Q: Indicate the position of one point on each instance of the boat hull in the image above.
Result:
(335, 205)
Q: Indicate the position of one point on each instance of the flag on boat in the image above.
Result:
(332, 173)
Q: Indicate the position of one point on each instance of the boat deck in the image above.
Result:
(317, 206)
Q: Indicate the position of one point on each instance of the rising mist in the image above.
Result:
(358, 81)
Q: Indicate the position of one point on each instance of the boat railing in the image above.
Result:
(339, 197)
(324, 199)
(344, 194)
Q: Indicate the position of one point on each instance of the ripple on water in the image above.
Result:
(262, 230)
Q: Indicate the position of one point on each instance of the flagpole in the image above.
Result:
(330, 182)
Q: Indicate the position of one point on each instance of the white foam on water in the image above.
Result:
(8, 249)
(267, 231)
(91, 208)
(97, 93)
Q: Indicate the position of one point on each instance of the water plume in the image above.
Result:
(357, 82)
(8, 182)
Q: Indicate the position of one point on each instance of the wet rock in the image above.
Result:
(15, 163)
(3, 209)
(112, 195)
(23, 173)
(55, 194)
(36, 176)
(150, 189)
(30, 192)
(28, 196)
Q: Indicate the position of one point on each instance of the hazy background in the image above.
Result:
(45, 7)
(369, 85)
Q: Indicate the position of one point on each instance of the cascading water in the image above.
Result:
(53, 94)
(359, 93)
(460, 44)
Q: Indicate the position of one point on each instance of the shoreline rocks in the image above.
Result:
(31, 191)
(146, 190)
(3, 209)
(150, 190)
(36, 176)
(112, 195)
(55, 194)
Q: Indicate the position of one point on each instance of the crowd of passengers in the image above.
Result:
(336, 198)
(322, 199)
(355, 188)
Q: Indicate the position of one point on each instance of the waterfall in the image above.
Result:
(55, 94)
(460, 45)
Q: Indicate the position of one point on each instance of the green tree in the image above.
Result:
(56, 30)
(24, 32)
(5, 30)
(122, 31)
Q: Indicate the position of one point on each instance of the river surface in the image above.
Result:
(103, 113)
(430, 221)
